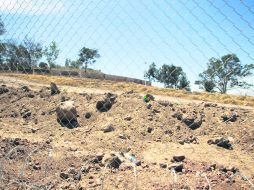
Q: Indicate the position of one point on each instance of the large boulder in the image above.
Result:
(54, 89)
(67, 114)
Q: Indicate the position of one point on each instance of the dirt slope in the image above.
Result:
(38, 153)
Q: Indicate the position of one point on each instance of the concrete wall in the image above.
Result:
(70, 73)
(94, 76)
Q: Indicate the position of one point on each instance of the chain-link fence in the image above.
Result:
(102, 94)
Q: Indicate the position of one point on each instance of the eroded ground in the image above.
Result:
(36, 152)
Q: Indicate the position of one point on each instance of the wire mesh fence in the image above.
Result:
(107, 94)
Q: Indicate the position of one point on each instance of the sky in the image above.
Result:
(131, 34)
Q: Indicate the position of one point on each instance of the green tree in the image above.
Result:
(43, 65)
(2, 45)
(34, 51)
(151, 73)
(67, 63)
(52, 52)
(87, 56)
(206, 82)
(225, 73)
(172, 77)
(2, 28)
(184, 83)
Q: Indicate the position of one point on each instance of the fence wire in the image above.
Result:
(143, 71)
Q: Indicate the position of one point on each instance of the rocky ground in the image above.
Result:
(66, 140)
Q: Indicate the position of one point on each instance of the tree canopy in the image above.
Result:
(2, 28)
(170, 75)
(87, 56)
(225, 73)
(51, 52)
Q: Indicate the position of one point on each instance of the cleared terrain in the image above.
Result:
(177, 141)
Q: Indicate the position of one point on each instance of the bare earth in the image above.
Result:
(36, 152)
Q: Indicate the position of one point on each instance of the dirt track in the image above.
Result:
(48, 156)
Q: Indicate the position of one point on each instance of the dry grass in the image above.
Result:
(123, 86)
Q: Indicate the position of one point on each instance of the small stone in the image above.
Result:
(123, 136)
(36, 167)
(64, 175)
(34, 130)
(77, 177)
(25, 89)
(162, 165)
(128, 118)
(111, 161)
(149, 129)
(178, 158)
(149, 106)
(178, 167)
(138, 163)
(88, 115)
(108, 129)
(181, 142)
(54, 89)
(168, 132)
(103, 106)
(30, 96)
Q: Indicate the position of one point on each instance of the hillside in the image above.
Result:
(185, 143)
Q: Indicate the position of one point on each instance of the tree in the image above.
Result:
(2, 28)
(43, 65)
(172, 77)
(151, 73)
(51, 53)
(224, 73)
(34, 51)
(184, 83)
(206, 82)
(67, 63)
(87, 56)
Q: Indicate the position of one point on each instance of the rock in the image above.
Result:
(88, 115)
(221, 142)
(25, 89)
(64, 175)
(30, 95)
(54, 89)
(129, 92)
(192, 122)
(149, 129)
(3, 90)
(103, 106)
(63, 99)
(162, 165)
(207, 105)
(77, 177)
(108, 128)
(229, 117)
(97, 158)
(122, 136)
(165, 103)
(178, 116)
(111, 161)
(168, 132)
(37, 166)
(138, 163)
(178, 167)
(156, 111)
(25, 113)
(67, 114)
(128, 118)
(111, 97)
(178, 158)
(211, 167)
(149, 106)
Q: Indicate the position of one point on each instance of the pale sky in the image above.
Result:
(130, 33)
